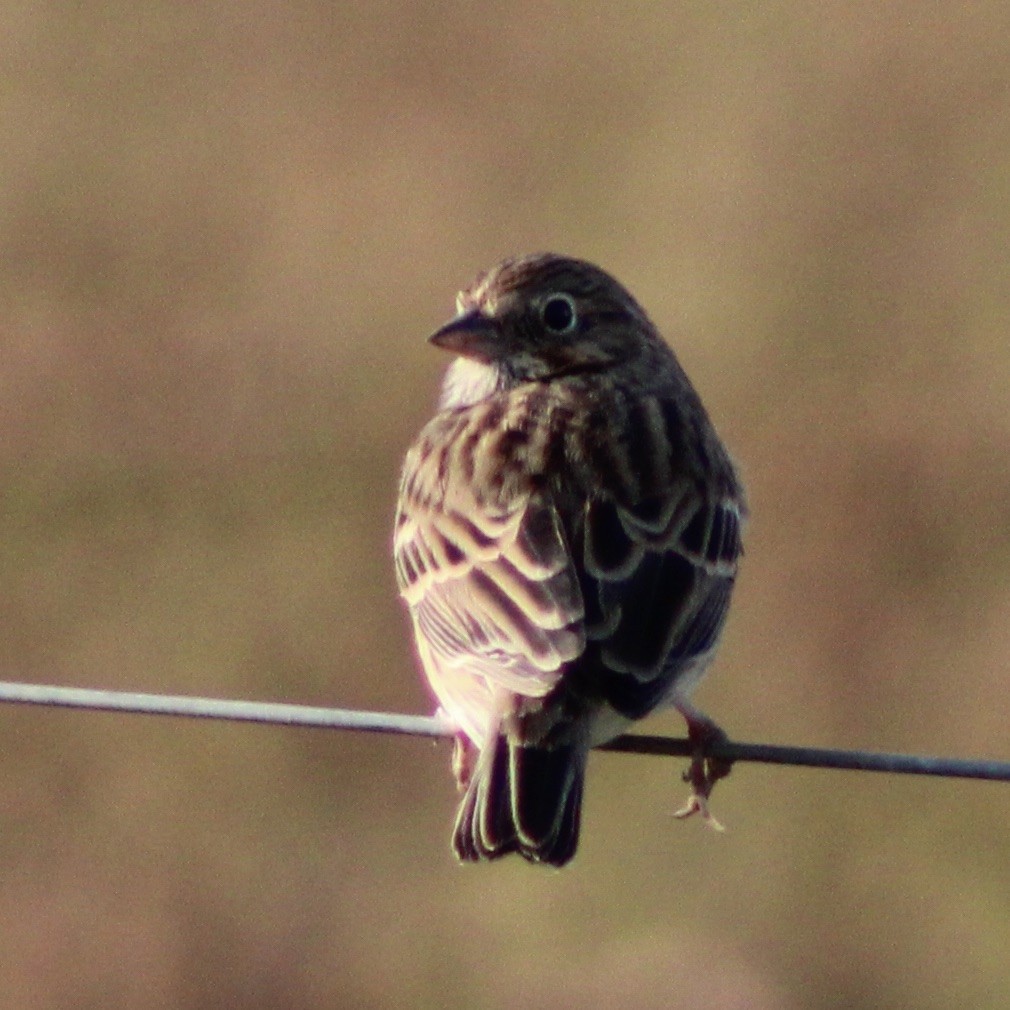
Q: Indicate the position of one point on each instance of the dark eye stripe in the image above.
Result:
(595, 317)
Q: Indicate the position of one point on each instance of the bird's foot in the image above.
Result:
(705, 770)
(464, 759)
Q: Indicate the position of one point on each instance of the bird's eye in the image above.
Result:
(558, 313)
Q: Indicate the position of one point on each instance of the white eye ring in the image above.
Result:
(558, 312)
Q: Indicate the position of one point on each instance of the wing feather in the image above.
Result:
(493, 594)
(617, 587)
(657, 580)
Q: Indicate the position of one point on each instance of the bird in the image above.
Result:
(567, 536)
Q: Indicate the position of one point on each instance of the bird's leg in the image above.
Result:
(705, 770)
(464, 758)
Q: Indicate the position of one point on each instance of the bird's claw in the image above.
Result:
(464, 759)
(702, 778)
(704, 771)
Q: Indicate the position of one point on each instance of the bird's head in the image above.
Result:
(540, 317)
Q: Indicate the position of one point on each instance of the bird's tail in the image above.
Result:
(522, 799)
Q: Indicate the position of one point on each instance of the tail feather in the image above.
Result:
(522, 799)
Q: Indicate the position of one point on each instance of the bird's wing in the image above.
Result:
(493, 594)
(656, 578)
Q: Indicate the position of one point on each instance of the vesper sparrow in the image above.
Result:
(566, 541)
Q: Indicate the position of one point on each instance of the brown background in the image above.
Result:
(225, 230)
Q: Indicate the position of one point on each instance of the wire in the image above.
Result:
(431, 726)
(820, 757)
(213, 708)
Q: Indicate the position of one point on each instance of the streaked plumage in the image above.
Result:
(566, 542)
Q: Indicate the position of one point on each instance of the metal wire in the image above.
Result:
(213, 708)
(418, 725)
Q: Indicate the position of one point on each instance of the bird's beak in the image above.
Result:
(472, 335)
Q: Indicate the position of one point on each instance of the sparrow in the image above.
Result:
(566, 541)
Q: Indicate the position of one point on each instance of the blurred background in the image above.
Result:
(225, 231)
